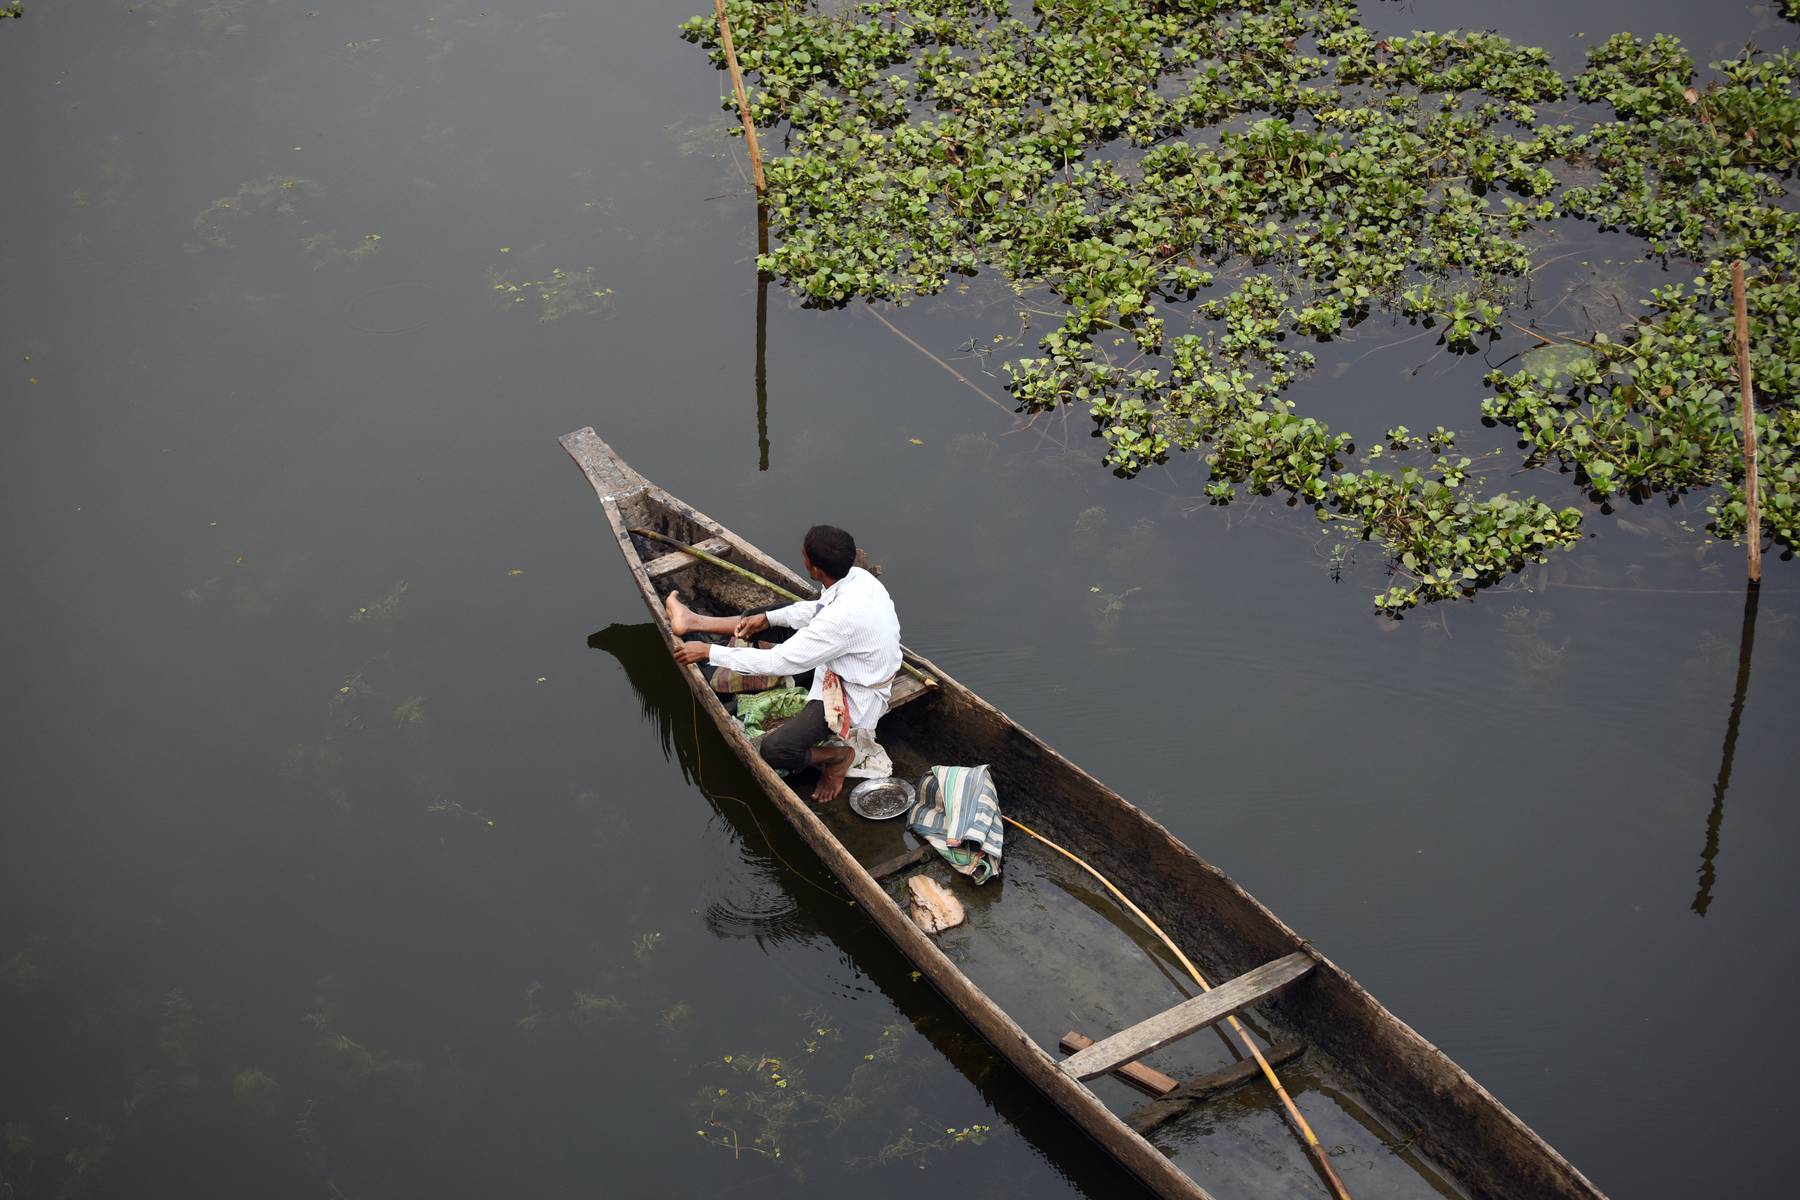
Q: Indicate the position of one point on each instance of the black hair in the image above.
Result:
(831, 550)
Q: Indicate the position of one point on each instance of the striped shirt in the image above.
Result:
(851, 629)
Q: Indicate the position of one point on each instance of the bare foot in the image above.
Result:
(833, 763)
(681, 618)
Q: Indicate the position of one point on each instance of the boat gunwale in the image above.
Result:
(1078, 1101)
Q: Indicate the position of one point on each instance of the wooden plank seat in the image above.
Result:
(675, 560)
(1171, 1025)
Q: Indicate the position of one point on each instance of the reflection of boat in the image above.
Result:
(1399, 1117)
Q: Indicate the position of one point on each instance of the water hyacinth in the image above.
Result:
(1205, 186)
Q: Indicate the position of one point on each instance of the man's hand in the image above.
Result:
(751, 625)
(692, 652)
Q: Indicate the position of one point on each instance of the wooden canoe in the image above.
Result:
(1431, 1129)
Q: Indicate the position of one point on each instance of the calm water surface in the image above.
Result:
(357, 841)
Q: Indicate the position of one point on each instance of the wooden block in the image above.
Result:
(1195, 1091)
(1144, 1079)
(1247, 989)
(934, 907)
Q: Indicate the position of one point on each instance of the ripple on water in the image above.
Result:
(750, 902)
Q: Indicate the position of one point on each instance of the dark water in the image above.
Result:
(337, 862)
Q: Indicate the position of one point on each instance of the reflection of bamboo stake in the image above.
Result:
(737, 85)
(753, 577)
(1747, 410)
(1716, 818)
(1306, 1133)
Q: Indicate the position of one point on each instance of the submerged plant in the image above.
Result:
(560, 294)
(256, 1092)
(1199, 190)
(217, 225)
(765, 1104)
(919, 1148)
(386, 608)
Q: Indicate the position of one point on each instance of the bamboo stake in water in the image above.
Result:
(1311, 1139)
(753, 577)
(1747, 410)
(743, 100)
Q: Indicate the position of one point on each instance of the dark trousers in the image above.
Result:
(785, 747)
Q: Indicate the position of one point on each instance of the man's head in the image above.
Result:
(830, 550)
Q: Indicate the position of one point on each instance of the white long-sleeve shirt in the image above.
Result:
(851, 629)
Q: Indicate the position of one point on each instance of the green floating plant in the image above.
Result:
(1201, 189)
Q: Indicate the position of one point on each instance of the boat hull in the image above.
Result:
(1460, 1127)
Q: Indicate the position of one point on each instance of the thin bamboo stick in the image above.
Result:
(958, 375)
(753, 577)
(1747, 411)
(1311, 1139)
(743, 100)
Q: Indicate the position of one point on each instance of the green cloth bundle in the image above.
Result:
(758, 710)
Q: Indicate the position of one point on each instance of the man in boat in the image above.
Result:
(849, 638)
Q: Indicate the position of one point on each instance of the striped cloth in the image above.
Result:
(958, 812)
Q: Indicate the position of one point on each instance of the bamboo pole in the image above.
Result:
(743, 100)
(1747, 411)
(1311, 1139)
(753, 577)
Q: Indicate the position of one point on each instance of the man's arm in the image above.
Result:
(797, 615)
(811, 647)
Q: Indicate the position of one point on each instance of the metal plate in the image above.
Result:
(881, 799)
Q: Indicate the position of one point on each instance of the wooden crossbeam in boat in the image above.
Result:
(1144, 1079)
(1247, 989)
(678, 559)
(1196, 1091)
